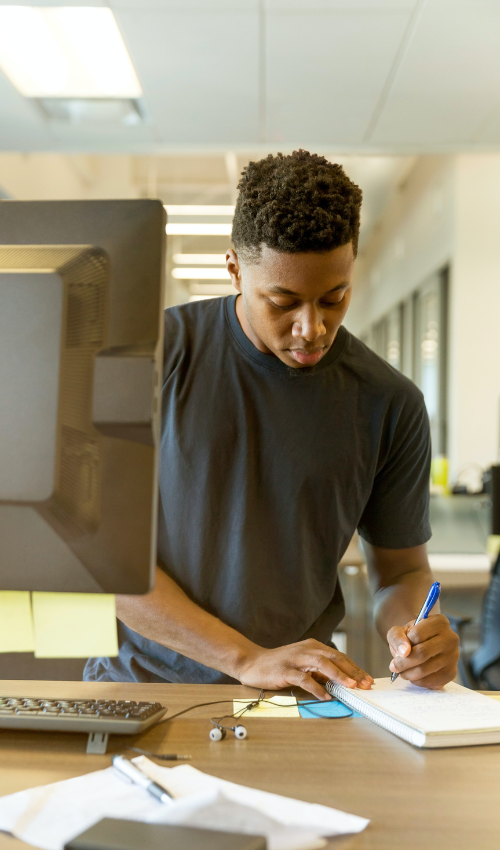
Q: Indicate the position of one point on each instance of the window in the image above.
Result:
(412, 337)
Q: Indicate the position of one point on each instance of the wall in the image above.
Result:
(475, 311)
(58, 177)
(412, 240)
(447, 211)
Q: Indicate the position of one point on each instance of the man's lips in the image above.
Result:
(307, 358)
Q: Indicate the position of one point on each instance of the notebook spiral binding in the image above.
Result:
(397, 727)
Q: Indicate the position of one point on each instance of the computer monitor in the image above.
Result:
(81, 301)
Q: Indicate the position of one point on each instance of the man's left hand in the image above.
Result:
(426, 654)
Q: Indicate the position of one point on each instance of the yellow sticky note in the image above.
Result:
(493, 546)
(16, 622)
(272, 707)
(74, 625)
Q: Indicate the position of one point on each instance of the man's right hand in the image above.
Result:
(305, 665)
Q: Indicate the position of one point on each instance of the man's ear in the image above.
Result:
(233, 267)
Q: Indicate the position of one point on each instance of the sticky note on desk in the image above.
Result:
(330, 708)
(16, 622)
(74, 625)
(273, 707)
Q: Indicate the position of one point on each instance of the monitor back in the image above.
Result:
(81, 304)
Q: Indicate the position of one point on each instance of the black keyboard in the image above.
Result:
(98, 717)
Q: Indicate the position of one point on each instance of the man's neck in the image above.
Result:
(247, 328)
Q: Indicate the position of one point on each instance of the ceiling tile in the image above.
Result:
(186, 5)
(336, 5)
(54, 3)
(449, 80)
(200, 79)
(325, 72)
(22, 125)
(489, 131)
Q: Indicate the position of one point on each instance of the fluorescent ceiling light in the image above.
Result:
(200, 209)
(200, 259)
(212, 289)
(201, 274)
(198, 229)
(91, 110)
(65, 52)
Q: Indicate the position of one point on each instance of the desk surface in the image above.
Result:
(414, 798)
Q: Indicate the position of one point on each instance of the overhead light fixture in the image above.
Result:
(201, 274)
(67, 52)
(91, 110)
(212, 289)
(200, 259)
(175, 229)
(198, 209)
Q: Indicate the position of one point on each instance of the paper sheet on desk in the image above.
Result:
(51, 815)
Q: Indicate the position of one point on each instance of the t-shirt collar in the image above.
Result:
(269, 360)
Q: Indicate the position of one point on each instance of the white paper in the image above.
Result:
(50, 815)
(452, 709)
(185, 779)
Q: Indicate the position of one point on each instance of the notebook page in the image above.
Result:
(453, 709)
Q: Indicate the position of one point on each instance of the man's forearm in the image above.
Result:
(400, 580)
(401, 602)
(169, 617)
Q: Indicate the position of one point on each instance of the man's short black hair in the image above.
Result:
(295, 203)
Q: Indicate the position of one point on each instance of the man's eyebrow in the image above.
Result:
(280, 290)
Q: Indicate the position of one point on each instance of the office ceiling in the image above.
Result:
(354, 76)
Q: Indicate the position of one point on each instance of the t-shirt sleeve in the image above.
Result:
(396, 515)
(175, 341)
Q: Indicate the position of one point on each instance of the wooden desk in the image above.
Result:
(414, 798)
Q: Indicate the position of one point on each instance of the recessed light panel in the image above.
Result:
(201, 274)
(201, 229)
(199, 209)
(72, 52)
(200, 259)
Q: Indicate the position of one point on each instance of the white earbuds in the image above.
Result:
(218, 733)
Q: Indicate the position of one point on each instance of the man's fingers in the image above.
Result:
(436, 624)
(343, 670)
(304, 680)
(436, 681)
(420, 671)
(398, 641)
(419, 655)
(340, 659)
(344, 663)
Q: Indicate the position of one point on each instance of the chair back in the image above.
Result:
(485, 662)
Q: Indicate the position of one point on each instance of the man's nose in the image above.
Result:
(309, 325)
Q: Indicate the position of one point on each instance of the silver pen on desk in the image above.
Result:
(138, 777)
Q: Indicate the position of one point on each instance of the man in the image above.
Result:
(282, 434)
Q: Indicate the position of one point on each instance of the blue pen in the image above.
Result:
(432, 598)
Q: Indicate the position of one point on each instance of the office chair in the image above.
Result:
(481, 671)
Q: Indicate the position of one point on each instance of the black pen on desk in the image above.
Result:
(432, 598)
(126, 768)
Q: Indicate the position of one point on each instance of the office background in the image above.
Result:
(404, 93)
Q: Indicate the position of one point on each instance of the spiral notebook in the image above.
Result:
(452, 717)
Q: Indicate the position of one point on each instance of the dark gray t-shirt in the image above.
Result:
(265, 474)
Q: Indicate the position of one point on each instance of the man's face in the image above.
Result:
(292, 305)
